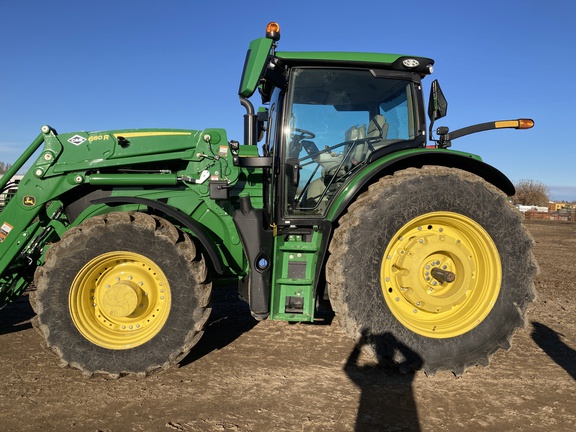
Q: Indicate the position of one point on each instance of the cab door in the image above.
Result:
(271, 149)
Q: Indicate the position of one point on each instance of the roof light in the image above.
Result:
(410, 63)
(273, 31)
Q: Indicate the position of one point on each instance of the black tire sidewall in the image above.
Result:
(89, 244)
(380, 218)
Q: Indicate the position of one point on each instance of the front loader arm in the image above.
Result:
(177, 168)
(30, 218)
(21, 257)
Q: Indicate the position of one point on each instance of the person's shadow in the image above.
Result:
(386, 400)
(550, 342)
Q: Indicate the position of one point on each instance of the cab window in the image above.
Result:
(335, 119)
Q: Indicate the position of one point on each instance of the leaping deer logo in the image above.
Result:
(29, 201)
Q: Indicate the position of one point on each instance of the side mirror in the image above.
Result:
(437, 104)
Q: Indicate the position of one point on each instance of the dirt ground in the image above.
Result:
(249, 376)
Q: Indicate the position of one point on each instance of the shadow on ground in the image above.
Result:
(230, 318)
(557, 350)
(16, 316)
(387, 400)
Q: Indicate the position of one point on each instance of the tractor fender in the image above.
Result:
(184, 219)
(416, 159)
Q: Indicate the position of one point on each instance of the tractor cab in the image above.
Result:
(329, 115)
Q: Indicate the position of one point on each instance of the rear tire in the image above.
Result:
(423, 220)
(122, 293)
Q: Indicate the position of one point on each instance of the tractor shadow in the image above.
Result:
(387, 399)
(557, 350)
(16, 316)
(230, 318)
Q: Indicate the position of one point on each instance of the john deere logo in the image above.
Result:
(29, 201)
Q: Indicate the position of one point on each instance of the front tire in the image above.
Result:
(122, 293)
(434, 261)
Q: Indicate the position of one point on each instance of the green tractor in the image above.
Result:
(415, 245)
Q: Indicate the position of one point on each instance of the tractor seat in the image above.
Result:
(378, 128)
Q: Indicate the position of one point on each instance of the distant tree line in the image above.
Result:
(4, 167)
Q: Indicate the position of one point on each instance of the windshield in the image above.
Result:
(336, 119)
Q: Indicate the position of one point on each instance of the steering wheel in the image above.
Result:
(301, 138)
(304, 134)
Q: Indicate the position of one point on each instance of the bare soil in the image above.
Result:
(250, 376)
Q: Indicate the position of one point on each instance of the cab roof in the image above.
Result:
(422, 65)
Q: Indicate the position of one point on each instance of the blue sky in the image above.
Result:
(173, 63)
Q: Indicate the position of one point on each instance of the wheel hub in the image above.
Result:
(441, 274)
(121, 299)
(416, 261)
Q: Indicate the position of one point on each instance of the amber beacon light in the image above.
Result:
(273, 31)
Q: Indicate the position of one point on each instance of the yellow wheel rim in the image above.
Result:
(120, 300)
(441, 274)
